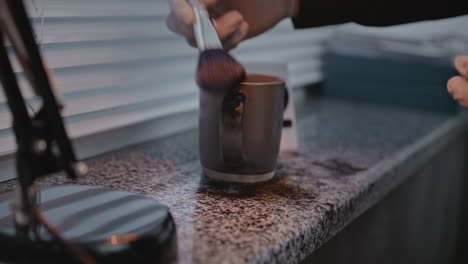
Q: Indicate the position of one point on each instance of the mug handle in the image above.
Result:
(231, 135)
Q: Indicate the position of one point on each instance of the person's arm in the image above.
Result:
(236, 20)
(314, 13)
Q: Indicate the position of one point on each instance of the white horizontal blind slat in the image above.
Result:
(100, 8)
(116, 64)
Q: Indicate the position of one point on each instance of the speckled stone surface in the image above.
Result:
(350, 156)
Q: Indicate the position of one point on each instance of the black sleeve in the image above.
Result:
(313, 13)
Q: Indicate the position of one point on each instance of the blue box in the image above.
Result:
(400, 81)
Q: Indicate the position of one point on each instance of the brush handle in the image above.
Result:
(205, 33)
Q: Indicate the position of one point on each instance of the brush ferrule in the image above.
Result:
(205, 32)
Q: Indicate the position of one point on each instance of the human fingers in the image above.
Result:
(461, 63)
(237, 37)
(181, 18)
(230, 30)
(228, 24)
(458, 87)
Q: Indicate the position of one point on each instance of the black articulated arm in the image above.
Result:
(43, 146)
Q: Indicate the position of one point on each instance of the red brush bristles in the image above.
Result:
(218, 72)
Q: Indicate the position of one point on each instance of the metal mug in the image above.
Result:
(240, 132)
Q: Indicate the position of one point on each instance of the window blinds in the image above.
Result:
(117, 66)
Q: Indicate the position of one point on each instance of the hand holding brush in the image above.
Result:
(217, 71)
(234, 20)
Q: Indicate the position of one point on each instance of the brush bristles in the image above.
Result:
(218, 72)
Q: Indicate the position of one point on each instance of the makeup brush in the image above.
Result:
(217, 71)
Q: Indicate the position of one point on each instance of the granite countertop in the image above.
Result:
(351, 155)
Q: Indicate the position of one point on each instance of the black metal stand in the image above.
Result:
(125, 227)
